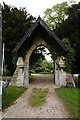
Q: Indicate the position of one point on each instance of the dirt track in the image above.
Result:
(53, 108)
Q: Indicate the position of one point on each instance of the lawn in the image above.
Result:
(13, 93)
(69, 97)
(38, 97)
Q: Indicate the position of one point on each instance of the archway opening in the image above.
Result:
(41, 64)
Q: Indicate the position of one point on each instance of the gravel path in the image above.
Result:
(53, 108)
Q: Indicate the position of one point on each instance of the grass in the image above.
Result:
(38, 97)
(70, 98)
(13, 93)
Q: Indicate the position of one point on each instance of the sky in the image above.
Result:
(34, 7)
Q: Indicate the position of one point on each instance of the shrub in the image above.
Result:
(47, 70)
(37, 70)
(52, 71)
(42, 69)
(7, 73)
(31, 78)
(32, 71)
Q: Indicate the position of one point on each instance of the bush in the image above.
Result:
(30, 78)
(47, 70)
(37, 70)
(32, 71)
(5, 72)
(42, 69)
(52, 71)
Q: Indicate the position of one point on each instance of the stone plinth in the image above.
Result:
(18, 77)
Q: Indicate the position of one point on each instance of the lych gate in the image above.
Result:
(38, 34)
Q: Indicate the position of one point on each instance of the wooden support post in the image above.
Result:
(54, 72)
(78, 81)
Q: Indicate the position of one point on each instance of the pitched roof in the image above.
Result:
(39, 22)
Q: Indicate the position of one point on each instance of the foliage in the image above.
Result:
(37, 70)
(38, 63)
(14, 60)
(43, 70)
(13, 93)
(37, 57)
(70, 28)
(47, 64)
(7, 77)
(70, 99)
(47, 70)
(31, 79)
(6, 73)
(38, 97)
(44, 66)
(16, 23)
(64, 18)
(0, 72)
(70, 57)
(32, 71)
(55, 15)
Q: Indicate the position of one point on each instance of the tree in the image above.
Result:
(70, 57)
(70, 28)
(65, 19)
(55, 15)
(15, 24)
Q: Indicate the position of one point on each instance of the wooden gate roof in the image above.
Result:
(41, 26)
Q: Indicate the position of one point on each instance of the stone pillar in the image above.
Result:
(18, 77)
(20, 72)
(26, 73)
(57, 69)
(57, 81)
(62, 74)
